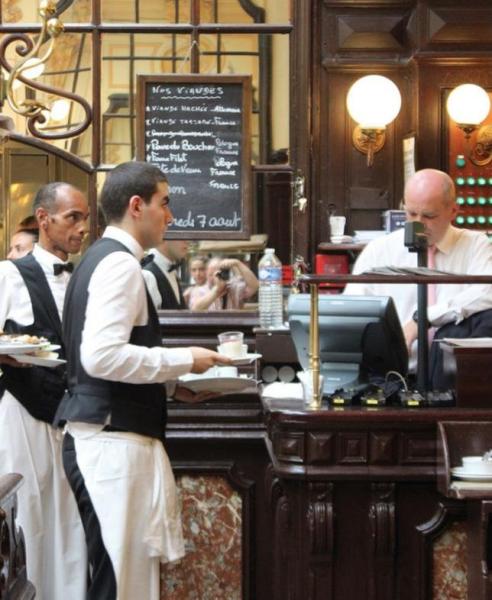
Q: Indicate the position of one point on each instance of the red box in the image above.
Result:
(331, 264)
(287, 274)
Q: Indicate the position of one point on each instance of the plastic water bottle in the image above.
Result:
(270, 292)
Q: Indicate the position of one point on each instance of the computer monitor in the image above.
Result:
(360, 338)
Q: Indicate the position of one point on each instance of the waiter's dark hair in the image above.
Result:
(32, 232)
(46, 196)
(127, 180)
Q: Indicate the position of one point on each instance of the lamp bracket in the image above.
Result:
(368, 141)
(481, 153)
(467, 128)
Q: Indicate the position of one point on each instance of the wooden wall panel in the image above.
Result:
(426, 47)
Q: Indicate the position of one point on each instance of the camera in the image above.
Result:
(224, 274)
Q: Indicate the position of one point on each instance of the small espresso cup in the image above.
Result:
(231, 344)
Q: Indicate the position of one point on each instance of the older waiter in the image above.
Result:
(115, 407)
(31, 301)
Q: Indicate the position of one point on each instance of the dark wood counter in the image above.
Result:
(358, 509)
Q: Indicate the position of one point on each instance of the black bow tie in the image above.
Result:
(147, 260)
(172, 267)
(58, 268)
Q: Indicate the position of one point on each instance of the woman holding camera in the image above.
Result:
(229, 284)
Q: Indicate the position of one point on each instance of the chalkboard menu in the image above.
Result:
(196, 129)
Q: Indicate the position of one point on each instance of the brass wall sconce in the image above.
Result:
(373, 102)
(32, 65)
(468, 105)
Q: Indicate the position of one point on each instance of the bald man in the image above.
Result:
(430, 199)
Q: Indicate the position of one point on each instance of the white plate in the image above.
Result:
(6, 348)
(246, 360)
(31, 359)
(52, 347)
(469, 342)
(220, 384)
(469, 476)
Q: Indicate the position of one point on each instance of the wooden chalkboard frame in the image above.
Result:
(143, 83)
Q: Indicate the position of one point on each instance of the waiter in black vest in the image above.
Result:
(31, 301)
(161, 274)
(115, 407)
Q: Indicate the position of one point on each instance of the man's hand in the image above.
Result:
(5, 359)
(229, 263)
(410, 331)
(220, 286)
(204, 359)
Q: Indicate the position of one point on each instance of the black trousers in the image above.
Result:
(102, 580)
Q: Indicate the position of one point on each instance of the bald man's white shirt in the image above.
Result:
(461, 251)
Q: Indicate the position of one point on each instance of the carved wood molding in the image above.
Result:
(282, 547)
(383, 541)
(320, 525)
(355, 448)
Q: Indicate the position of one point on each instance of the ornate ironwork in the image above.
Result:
(33, 109)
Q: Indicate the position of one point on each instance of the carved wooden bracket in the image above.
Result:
(383, 541)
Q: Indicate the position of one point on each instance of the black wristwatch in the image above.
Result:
(415, 317)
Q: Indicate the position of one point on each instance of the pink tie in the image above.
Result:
(431, 288)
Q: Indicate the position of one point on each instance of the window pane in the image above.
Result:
(146, 11)
(27, 11)
(225, 11)
(79, 11)
(124, 56)
(245, 11)
(20, 12)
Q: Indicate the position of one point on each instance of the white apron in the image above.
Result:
(47, 512)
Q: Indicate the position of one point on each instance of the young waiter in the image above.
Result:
(31, 301)
(115, 407)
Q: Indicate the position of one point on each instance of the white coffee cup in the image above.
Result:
(337, 226)
(230, 351)
(477, 465)
(226, 371)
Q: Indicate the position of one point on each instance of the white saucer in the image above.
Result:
(340, 239)
(467, 475)
(247, 359)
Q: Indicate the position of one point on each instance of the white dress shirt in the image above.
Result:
(461, 251)
(55, 554)
(15, 302)
(150, 280)
(116, 303)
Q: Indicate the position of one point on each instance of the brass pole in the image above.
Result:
(315, 403)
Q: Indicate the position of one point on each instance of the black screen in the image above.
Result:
(360, 338)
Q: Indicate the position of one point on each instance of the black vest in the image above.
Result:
(169, 301)
(38, 389)
(140, 408)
